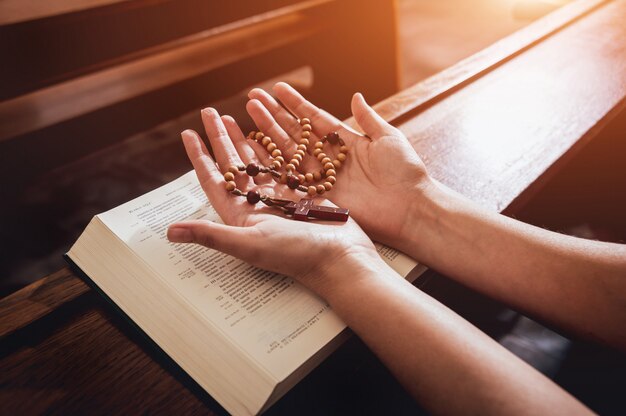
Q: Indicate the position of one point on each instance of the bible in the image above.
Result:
(245, 335)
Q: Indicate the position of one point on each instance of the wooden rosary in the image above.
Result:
(317, 183)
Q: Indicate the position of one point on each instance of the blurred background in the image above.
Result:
(94, 94)
(70, 153)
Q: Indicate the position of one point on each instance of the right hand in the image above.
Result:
(382, 179)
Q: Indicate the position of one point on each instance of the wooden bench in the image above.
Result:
(82, 78)
(128, 66)
(495, 127)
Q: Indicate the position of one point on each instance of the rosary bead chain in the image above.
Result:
(313, 183)
(253, 197)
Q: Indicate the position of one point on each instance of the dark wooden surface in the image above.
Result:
(70, 72)
(495, 136)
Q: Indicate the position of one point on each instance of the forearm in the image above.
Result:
(576, 284)
(443, 361)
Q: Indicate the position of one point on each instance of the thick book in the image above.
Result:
(245, 335)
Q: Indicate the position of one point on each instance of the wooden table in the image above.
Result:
(496, 127)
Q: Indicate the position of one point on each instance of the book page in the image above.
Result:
(273, 318)
(398, 261)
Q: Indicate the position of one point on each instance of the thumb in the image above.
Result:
(236, 241)
(369, 120)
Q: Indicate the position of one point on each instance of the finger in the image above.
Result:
(225, 153)
(321, 121)
(268, 125)
(287, 121)
(209, 176)
(369, 120)
(245, 152)
(241, 242)
(244, 149)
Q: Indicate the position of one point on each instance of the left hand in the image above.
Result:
(383, 181)
(258, 234)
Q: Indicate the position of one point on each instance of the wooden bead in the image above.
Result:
(343, 149)
(312, 190)
(300, 152)
(331, 179)
(307, 127)
(290, 167)
(276, 165)
(266, 141)
(317, 176)
(319, 145)
(297, 157)
(271, 147)
(293, 182)
(280, 159)
(230, 186)
(301, 178)
(308, 177)
(304, 121)
(321, 156)
(259, 136)
(328, 186)
(317, 152)
(320, 189)
(233, 169)
(337, 164)
(328, 166)
(306, 134)
(229, 176)
(333, 137)
(325, 160)
(305, 142)
(331, 172)
(341, 157)
(276, 153)
(302, 147)
(283, 178)
(295, 162)
(253, 197)
(252, 169)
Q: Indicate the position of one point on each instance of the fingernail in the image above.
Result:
(186, 133)
(179, 235)
(209, 111)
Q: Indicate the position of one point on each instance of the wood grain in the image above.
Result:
(492, 139)
(175, 62)
(39, 299)
(88, 351)
(427, 92)
(17, 11)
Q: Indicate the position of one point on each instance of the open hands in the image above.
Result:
(382, 174)
(255, 233)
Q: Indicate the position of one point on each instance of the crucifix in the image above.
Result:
(306, 209)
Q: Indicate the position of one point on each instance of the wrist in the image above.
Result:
(429, 204)
(350, 268)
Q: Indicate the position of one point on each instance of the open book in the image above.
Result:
(243, 334)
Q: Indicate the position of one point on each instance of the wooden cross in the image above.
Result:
(306, 209)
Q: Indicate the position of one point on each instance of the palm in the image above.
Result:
(375, 180)
(372, 182)
(290, 247)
